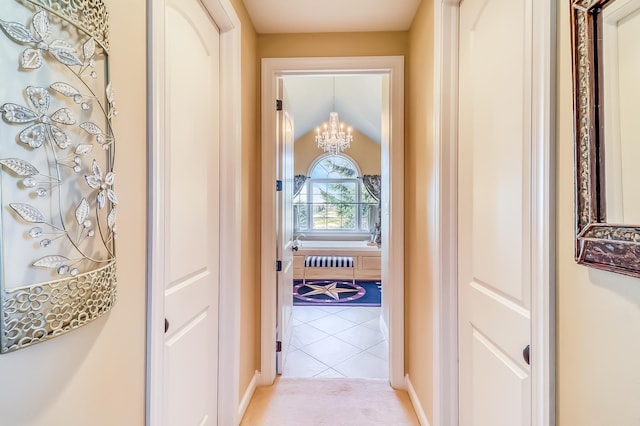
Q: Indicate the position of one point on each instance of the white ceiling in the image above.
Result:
(313, 16)
(358, 99)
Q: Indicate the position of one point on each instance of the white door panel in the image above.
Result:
(494, 220)
(192, 213)
(501, 386)
(192, 405)
(285, 229)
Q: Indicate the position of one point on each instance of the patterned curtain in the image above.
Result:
(372, 183)
(298, 183)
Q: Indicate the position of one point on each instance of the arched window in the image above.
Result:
(333, 199)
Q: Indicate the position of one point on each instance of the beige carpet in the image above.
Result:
(329, 402)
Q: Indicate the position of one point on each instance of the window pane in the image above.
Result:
(319, 191)
(333, 205)
(334, 167)
(333, 199)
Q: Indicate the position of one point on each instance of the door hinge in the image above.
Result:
(278, 265)
(278, 105)
(278, 185)
(278, 346)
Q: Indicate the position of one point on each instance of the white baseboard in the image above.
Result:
(415, 401)
(248, 394)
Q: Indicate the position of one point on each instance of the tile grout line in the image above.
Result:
(325, 313)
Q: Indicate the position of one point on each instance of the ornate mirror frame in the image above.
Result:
(612, 247)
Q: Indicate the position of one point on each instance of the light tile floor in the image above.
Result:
(332, 341)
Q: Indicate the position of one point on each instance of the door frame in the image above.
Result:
(445, 295)
(225, 18)
(393, 147)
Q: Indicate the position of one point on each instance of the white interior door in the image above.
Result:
(284, 227)
(191, 193)
(495, 219)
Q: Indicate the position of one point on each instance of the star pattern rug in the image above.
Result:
(336, 292)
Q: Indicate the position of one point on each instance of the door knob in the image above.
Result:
(166, 325)
(526, 353)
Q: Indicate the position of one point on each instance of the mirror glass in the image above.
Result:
(621, 91)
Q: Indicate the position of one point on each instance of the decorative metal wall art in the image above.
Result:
(612, 247)
(57, 199)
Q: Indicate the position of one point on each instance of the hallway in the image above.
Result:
(335, 373)
(115, 370)
(334, 402)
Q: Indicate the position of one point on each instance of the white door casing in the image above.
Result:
(284, 226)
(504, 209)
(192, 282)
(392, 206)
(443, 226)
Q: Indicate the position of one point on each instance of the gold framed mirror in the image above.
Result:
(607, 133)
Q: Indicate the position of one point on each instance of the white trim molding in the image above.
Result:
(392, 70)
(231, 204)
(415, 401)
(543, 206)
(444, 226)
(246, 397)
(228, 23)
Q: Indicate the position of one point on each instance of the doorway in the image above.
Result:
(392, 203)
(335, 321)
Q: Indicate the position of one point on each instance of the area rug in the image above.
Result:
(336, 292)
(329, 402)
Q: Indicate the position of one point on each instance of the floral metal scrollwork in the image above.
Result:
(58, 200)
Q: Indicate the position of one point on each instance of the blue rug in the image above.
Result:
(336, 293)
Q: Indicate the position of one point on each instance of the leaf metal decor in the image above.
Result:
(57, 150)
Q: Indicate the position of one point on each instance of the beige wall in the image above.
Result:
(419, 181)
(363, 150)
(332, 44)
(250, 273)
(96, 374)
(598, 325)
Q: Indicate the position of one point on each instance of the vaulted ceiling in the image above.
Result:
(357, 98)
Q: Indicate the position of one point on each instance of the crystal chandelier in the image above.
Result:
(333, 139)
